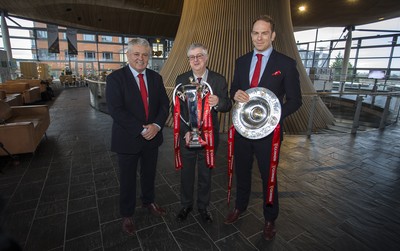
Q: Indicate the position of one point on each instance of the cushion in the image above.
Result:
(3, 94)
(5, 111)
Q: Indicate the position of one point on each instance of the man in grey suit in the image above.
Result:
(139, 105)
(219, 102)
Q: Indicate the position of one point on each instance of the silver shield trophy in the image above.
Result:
(258, 117)
(189, 94)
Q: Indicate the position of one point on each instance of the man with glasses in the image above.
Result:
(218, 102)
(139, 105)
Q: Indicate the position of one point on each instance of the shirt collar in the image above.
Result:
(203, 77)
(135, 73)
(265, 53)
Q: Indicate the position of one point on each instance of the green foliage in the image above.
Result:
(337, 68)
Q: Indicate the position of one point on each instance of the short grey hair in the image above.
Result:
(198, 45)
(138, 41)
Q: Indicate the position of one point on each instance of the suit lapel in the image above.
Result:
(266, 77)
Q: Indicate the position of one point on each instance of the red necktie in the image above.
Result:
(143, 92)
(257, 70)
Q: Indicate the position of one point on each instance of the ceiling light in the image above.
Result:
(302, 8)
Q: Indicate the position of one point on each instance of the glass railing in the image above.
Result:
(354, 111)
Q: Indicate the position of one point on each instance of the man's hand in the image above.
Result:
(213, 100)
(150, 132)
(241, 96)
(187, 137)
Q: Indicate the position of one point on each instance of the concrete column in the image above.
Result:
(346, 56)
(6, 36)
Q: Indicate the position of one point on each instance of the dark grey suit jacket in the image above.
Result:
(126, 107)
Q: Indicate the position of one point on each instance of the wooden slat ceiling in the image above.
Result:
(161, 17)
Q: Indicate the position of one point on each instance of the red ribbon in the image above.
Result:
(276, 143)
(231, 144)
(208, 131)
(177, 123)
(272, 168)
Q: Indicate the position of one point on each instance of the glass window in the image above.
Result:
(89, 37)
(396, 51)
(107, 56)
(376, 41)
(395, 63)
(20, 22)
(339, 44)
(68, 56)
(90, 55)
(158, 50)
(41, 34)
(373, 63)
(45, 55)
(20, 33)
(18, 43)
(395, 74)
(22, 54)
(106, 38)
(376, 52)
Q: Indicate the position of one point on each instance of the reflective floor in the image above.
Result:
(337, 192)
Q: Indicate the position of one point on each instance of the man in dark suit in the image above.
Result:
(138, 103)
(277, 73)
(219, 102)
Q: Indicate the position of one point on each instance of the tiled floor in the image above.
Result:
(337, 192)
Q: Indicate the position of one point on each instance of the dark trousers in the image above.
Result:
(245, 150)
(188, 173)
(128, 164)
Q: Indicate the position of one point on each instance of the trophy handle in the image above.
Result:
(173, 101)
(209, 87)
(174, 93)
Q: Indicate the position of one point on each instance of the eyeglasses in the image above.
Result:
(198, 57)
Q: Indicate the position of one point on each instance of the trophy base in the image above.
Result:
(195, 144)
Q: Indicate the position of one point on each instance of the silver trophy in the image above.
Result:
(258, 117)
(190, 94)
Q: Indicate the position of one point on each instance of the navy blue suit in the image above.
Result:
(282, 78)
(126, 107)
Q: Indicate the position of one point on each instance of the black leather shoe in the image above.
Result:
(206, 215)
(183, 213)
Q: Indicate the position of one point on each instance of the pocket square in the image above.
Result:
(277, 73)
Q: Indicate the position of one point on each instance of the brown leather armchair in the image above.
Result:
(22, 127)
(29, 94)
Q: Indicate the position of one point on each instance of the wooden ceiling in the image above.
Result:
(161, 17)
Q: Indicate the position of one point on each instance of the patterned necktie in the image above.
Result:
(199, 80)
(143, 93)
(257, 70)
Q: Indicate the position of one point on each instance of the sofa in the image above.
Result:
(22, 127)
(32, 83)
(29, 94)
(14, 99)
